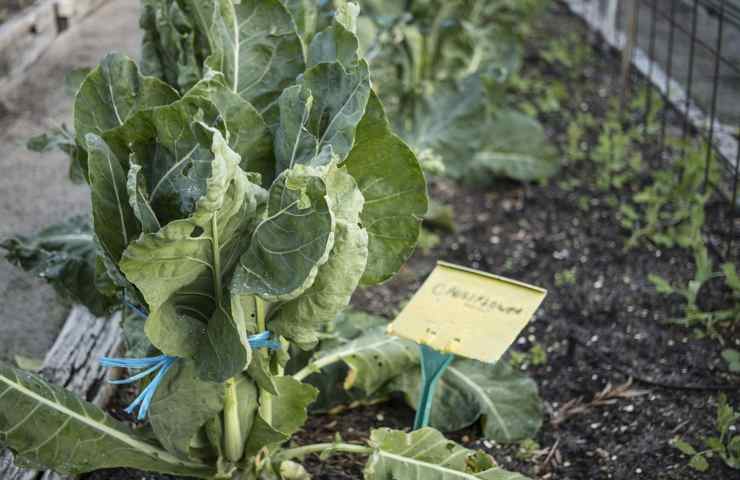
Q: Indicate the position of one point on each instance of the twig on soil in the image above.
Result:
(608, 396)
(551, 461)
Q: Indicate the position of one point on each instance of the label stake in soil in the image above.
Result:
(433, 365)
(461, 311)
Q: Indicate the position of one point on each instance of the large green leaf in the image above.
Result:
(300, 319)
(518, 149)
(373, 358)
(505, 399)
(47, 426)
(292, 242)
(253, 43)
(248, 134)
(336, 43)
(294, 143)
(161, 263)
(112, 93)
(173, 149)
(181, 270)
(224, 349)
(444, 124)
(340, 97)
(305, 15)
(114, 221)
(175, 330)
(269, 52)
(394, 188)
(288, 414)
(168, 46)
(349, 325)
(318, 118)
(64, 255)
(427, 454)
(182, 405)
(514, 145)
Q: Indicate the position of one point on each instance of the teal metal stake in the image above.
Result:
(433, 365)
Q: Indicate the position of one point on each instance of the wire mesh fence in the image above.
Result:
(689, 51)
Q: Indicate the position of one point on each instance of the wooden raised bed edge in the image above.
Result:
(72, 363)
(26, 35)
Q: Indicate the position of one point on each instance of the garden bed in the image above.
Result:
(618, 380)
(603, 325)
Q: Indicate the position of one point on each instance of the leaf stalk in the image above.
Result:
(233, 440)
(265, 396)
(316, 365)
(299, 452)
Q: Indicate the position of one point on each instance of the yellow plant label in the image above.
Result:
(467, 312)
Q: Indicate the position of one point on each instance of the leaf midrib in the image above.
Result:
(145, 448)
(482, 395)
(433, 466)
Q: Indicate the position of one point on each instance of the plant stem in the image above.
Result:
(233, 443)
(317, 365)
(265, 396)
(261, 320)
(322, 447)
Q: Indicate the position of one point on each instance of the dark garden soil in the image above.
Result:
(606, 327)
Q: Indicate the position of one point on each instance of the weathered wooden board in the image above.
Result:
(73, 363)
(28, 33)
(25, 36)
(72, 10)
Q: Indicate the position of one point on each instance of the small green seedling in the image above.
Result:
(725, 445)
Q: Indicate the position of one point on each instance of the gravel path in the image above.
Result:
(33, 188)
